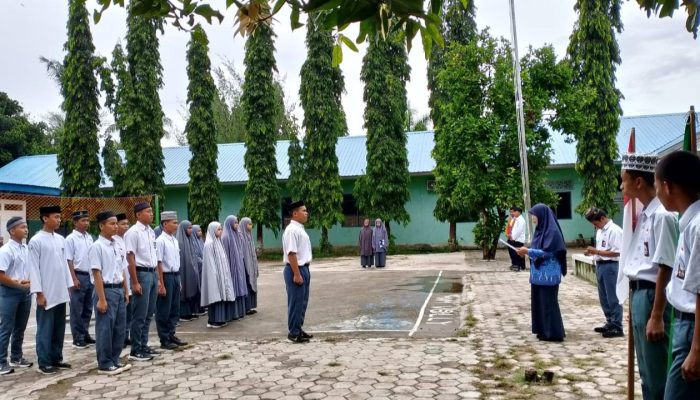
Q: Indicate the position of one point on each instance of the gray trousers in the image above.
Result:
(144, 308)
(81, 308)
(110, 328)
(606, 274)
(678, 388)
(168, 308)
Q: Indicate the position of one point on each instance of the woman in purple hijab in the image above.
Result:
(380, 242)
(231, 242)
(548, 264)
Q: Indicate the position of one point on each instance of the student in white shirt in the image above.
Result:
(296, 247)
(49, 279)
(679, 191)
(107, 273)
(606, 253)
(122, 227)
(648, 265)
(15, 299)
(141, 254)
(168, 305)
(516, 233)
(77, 245)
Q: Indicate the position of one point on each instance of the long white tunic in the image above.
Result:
(48, 269)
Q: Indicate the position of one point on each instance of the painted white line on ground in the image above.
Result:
(422, 310)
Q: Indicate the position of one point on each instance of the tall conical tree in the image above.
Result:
(201, 134)
(594, 55)
(297, 179)
(78, 160)
(324, 120)
(458, 28)
(261, 201)
(383, 190)
(143, 127)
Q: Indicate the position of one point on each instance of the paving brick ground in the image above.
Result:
(485, 360)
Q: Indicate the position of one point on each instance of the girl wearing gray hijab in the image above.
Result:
(250, 260)
(231, 240)
(217, 287)
(189, 275)
(380, 242)
(365, 242)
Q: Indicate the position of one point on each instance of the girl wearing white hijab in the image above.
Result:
(250, 260)
(217, 286)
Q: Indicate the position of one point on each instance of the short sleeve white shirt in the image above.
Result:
(518, 231)
(168, 252)
(684, 285)
(296, 240)
(121, 246)
(141, 241)
(77, 245)
(48, 269)
(13, 260)
(104, 256)
(653, 243)
(609, 239)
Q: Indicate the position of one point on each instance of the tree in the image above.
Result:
(665, 8)
(458, 28)
(140, 116)
(18, 135)
(77, 159)
(593, 56)
(383, 190)
(376, 18)
(201, 134)
(114, 167)
(322, 86)
(296, 183)
(261, 200)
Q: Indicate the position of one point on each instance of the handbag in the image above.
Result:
(547, 274)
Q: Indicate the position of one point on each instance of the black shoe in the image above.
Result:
(168, 346)
(81, 345)
(186, 318)
(251, 312)
(177, 341)
(151, 351)
(297, 339)
(21, 363)
(601, 329)
(6, 369)
(90, 340)
(140, 357)
(49, 370)
(306, 335)
(62, 365)
(613, 333)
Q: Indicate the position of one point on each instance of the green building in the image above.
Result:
(657, 134)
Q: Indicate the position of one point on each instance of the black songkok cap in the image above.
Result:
(141, 206)
(104, 215)
(49, 210)
(296, 204)
(80, 214)
(121, 217)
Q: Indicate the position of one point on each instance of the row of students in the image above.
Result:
(661, 259)
(229, 271)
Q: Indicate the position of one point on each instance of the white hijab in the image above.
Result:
(217, 284)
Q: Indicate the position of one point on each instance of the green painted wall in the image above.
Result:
(423, 228)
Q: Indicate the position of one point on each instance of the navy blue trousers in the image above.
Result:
(110, 328)
(297, 298)
(50, 332)
(168, 308)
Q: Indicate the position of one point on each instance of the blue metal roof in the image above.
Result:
(654, 134)
(39, 173)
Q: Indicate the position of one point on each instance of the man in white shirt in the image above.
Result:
(297, 256)
(516, 232)
(142, 257)
(606, 254)
(122, 227)
(15, 299)
(679, 191)
(650, 255)
(168, 305)
(50, 279)
(77, 245)
(107, 273)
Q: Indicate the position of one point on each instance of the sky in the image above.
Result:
(656, 76)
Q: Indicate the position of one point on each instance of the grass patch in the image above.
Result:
(572, 378)
(501, 362)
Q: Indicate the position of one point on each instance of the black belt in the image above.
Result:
(172, 273)
(642, 284)
(113, 285)
(82, 273)
(146, 269)
(683, 315)
(305, 265)
(607, 262)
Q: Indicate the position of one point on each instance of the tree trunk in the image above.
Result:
(390, 246)
(260, 237)
(325, 244)
(452, 241)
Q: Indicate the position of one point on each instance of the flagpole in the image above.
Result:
(521, 120)
(693, 134)
(631, 148)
